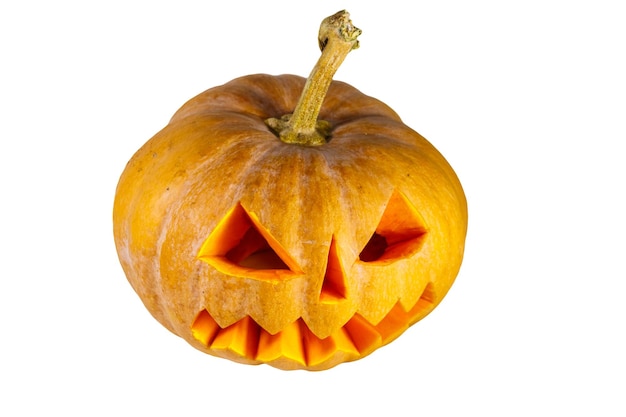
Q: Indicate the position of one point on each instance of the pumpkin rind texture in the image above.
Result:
(297, 256)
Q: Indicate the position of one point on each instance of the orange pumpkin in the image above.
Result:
(301, 241)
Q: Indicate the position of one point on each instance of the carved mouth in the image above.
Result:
(297, 347)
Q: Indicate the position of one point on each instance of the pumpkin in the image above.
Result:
(289, 221)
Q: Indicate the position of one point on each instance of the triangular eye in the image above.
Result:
(399, 235)
(240, 246)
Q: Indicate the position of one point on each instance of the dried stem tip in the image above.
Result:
(337, 37)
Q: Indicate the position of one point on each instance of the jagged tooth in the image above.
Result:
(344, 343)
(241, 338)
(337, 348)
(412, 294)
(363, 335)
(399, 318)
(423, 306)
(286, 344)
(204, 328)
(420, 310)
(428, 294)
(393, 324)
(316, 350)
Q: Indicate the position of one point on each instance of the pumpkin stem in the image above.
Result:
(337, 37)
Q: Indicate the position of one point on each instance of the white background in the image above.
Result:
(527, 100)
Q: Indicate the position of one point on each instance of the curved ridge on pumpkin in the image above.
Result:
(297, 347)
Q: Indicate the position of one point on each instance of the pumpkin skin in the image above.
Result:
(301, 257)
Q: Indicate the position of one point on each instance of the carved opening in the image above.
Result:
(253, 251)
(399, 235)
(240, 246)
(334, 285)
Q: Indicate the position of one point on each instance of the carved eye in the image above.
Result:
(240, 246)
(399, 235)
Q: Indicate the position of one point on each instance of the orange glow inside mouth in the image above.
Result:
(297, 344)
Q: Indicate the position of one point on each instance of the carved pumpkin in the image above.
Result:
(303, 252)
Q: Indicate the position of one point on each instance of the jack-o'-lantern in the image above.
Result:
(300, 241)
